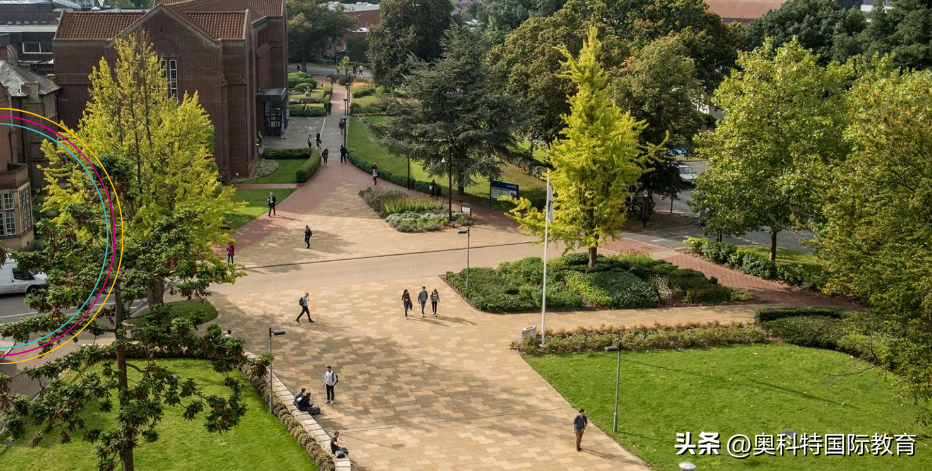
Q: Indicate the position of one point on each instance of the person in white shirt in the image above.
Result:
(330, 380)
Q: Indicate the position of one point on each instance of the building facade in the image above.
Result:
(233, 53)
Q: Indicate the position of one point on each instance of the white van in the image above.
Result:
(15, 281)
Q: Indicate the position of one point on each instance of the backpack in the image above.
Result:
(341, 455)
(314, 410)
(301, 301)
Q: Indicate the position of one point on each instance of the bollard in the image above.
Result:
(687, 466)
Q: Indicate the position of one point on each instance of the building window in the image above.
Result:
(9, 201)
(11, 223)
(172, 78)
(37, 48)
(25, 210)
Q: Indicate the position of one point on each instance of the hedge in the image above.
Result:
(304, 86)
(307, 110)
(613, 289)
(772, 314)
(643, 338)
(308, 168)
(361, 92)
(402, 180)
(286, 153)
(828, 328)
(295, 78)
(754, 264)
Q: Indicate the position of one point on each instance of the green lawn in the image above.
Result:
(783, 255)
(284, 174)
(256, 205)
(258, 442)
(199, 310)
(749, 390)
(367, 147)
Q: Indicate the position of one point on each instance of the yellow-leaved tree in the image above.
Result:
(597, 160)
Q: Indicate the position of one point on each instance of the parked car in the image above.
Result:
(687, 173)
(16, 281)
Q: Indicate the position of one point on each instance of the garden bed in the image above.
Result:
(617, 282)
(791, 267)
(406, 213)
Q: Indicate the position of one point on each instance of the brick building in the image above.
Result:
(232, 52)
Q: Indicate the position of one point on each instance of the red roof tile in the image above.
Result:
(259, 8)
(742, 10)
(221, 25)
(366, 18)
(94, 24)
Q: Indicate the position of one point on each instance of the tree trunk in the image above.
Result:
(155, 292)
(773, 245)
(460, 188)
(593, 253)
(126, 455)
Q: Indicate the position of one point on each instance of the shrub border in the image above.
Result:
(301, 425)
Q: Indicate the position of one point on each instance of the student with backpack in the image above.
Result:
(330, 380)
(343, 154)
(302, 301)
(307, 237)
(434, 300)
(325, 155)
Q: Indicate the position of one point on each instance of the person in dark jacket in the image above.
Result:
(272, 201)
(307, 235)
(325, 155)
(336, 447)
(343, 154)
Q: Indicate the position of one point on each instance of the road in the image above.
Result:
(674, 237)
(13, 308)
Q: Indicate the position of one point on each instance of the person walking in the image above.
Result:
(434, 300)
(422, 299)
(343, 153)
(325, 155)
(272, 201)
(342, 126)
(231, 251)
(579, 426)
(303, 302)
(318, 141)
(375, 174)
(307, 236)
(406, 299)
(310, 142)
(432, 187)
(330, 380)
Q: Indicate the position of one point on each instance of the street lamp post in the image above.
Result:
(616, 348)
(468, 234)
(271, 333)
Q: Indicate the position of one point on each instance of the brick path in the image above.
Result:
(417, 394)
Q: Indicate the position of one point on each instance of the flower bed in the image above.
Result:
(620, 282)
(411, 214)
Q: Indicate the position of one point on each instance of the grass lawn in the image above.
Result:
(784, 255)
(367, 147)
(258, 442)
(256, 204)
(200, 310)
(284, 174)
(748, 390)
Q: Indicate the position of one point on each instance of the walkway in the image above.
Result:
(441, 393)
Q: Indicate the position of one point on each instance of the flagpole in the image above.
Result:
(548, 205)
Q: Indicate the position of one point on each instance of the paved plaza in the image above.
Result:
(442, 393)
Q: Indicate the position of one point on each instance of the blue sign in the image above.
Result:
(498, 189)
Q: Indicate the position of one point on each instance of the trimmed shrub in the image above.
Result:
(772, 314)
(374, 196)
(644, 338)
(361, 92)
(613, 289)
(756, 265)
(488, 293)
(687, 279)
(308, 168)
(404, 204)
(307, 110)
(295, 78)
(807, 331)
(304, 86)
(711, 294)
(805, 275)
(366, 166)
(559, 296)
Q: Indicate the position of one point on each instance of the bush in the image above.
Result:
(644, 338)
(807, 331)
(712, 294)
(304, 86)
(296, 78)
(425, 221)
(307, 110)
(772, 314)
(687, 279)
(366, 166)
(488, 293)
(756, 265)
(374, 196)
(559, 296)
(404, 204)
(361, 92)
(308, 168)
(613, 289)
(279, 154)
(805, 275)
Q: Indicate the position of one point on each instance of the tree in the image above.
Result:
(596, 162)
(903, 31)
(408, 28)
(528, 63)
(658, 84)
(356, 47)
(457, 119)
(507, 15)
(879, 216)
(313, 27)
(785, 116)
(156, 149)
(822, 26)
(710, 42)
